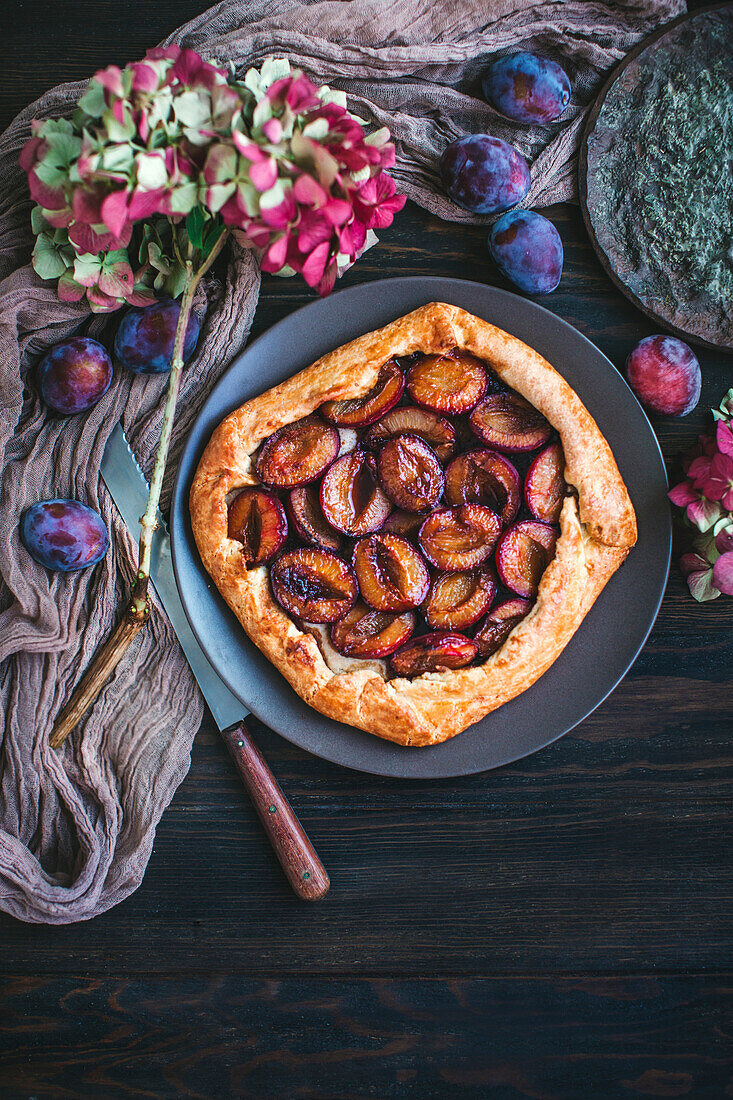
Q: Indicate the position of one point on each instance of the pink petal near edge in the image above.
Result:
(274, 257)
(114, 212)
(704, 513)
(263, 174)
(724, 437)
(315, 266)
(683, 494)
(723, 574)
(693, 563)
(724, 539)
(307, 191)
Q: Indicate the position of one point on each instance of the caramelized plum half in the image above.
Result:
(309, 522)
(458, 600)
(410, 473)
(498, 625)
(544, 486)
(297, 453)
(484, 477)
(509, 423)
(456, 539)
(391, 574)
(450, 383)
(351, 498)
(437, 432)
(314, 585)
(403, 523)
(523, 554)
(364, 632)
(358, 411)
(433, 653)
(257, 520)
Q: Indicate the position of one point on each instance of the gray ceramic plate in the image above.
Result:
(609, 639)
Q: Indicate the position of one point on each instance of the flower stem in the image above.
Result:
(149, 522)
(138, 610)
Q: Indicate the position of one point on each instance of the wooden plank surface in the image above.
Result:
(540, 1038)
(558, 928)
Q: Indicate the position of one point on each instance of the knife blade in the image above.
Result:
(129, 491)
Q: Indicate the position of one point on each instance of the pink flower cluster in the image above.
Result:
(131, 152)
(706, 494)
(280, 161)
(303, 182)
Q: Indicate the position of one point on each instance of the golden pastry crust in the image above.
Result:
(597, 530)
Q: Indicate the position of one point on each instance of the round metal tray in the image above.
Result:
(627, 77)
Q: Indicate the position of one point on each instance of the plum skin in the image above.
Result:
(527, 88)
(484, 174)
(64, 535)
(528, 250)
(146, 334)
(665, 375)
(74, 375)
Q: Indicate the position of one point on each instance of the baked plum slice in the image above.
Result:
(308, 520)
(498, 625)
(544, 486)
(507, 422)
(449, 383)
(524, 552)
(458, 600)
(484, 477)
(437, 432)
(403, 523)
(257, 520)
(359, 411)
(392, 575)
(364, 632)
(433, 653)
(456, 539)
(313, 584)
(352, 499)
(410, 472)
(297, 453)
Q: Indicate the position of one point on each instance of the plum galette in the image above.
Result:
(414, 527)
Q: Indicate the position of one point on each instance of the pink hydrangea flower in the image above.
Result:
(280, 161)
(706, 494)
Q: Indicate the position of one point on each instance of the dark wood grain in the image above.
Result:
(541, 1038)
(558, 928)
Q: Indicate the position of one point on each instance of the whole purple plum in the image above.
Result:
(64, 534)
(527, 88)
(145, 337)
(665, 375)
(74, 374)
(527, 249)
(484, 174)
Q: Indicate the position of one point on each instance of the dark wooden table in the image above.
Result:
(557, 928)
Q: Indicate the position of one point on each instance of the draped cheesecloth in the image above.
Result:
(77, 826)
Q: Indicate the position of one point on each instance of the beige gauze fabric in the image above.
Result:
(77, 826)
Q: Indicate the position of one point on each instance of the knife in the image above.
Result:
(304, 870)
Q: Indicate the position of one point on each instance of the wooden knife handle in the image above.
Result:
(298, 858)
